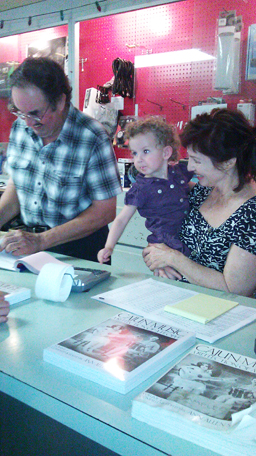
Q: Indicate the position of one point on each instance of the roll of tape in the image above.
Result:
(54, 282)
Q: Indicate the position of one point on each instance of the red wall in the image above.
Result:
(14, 48)
(174, 26)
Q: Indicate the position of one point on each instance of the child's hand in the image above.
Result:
(104, 254)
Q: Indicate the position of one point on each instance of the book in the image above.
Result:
(201, 307)
(13, 293)
(32, 263)
(208, 398)
(149, 298)
(120, 352)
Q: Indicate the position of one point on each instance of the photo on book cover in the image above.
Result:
(209, 386)
(120, 352)
(130, 345)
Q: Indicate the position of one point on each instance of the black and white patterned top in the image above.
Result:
(210, 246)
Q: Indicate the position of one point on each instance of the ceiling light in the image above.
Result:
(171, 58)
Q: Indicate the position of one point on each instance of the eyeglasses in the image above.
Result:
(24, 116)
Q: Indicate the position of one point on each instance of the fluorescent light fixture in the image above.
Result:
(171, 58)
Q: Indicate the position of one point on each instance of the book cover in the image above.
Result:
(13, 293)
(120, 352)
(211, 387)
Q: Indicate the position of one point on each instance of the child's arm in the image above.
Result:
(116, 231)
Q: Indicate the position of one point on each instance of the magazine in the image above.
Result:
(120, 352)
(211, 387)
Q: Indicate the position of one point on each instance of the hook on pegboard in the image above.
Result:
(82, 61)
(154, 103)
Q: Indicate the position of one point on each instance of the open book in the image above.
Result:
(33, 263)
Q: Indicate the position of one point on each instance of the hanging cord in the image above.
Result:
(124, 77)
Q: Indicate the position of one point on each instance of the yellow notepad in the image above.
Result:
(201, 307)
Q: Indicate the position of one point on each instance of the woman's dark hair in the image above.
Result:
(221, 135)
(44, 73)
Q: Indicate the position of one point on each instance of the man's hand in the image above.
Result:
(20, 242)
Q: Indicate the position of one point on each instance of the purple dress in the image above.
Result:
(164, 203)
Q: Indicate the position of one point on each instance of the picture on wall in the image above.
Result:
(6, 69)
(251, 54)
(55, 49)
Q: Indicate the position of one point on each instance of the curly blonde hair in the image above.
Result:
(165, 134)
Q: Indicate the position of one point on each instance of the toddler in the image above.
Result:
(160, 193)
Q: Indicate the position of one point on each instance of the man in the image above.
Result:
(63, 172)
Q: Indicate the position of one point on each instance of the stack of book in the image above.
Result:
(208, 398)
(13, 293)
(121, 352)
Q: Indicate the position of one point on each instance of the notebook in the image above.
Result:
(201, 307)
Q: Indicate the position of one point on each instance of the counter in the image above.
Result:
(50, 402)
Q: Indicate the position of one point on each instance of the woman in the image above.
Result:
(220, 229)
(4, 309)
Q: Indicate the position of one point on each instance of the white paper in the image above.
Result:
(149, 298)
(54, 282)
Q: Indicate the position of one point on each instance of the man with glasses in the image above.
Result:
(63, 172)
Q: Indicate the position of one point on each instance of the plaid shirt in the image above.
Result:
(56, 182)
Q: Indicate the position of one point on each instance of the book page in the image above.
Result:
(7, 260)
(33, 263)
(149, 297)
(36, 261)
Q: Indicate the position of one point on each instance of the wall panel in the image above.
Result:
(168, 90)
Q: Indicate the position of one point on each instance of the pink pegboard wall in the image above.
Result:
(151, 30)
(15, 49)
(171, 89)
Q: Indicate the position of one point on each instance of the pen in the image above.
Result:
(255, 346)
